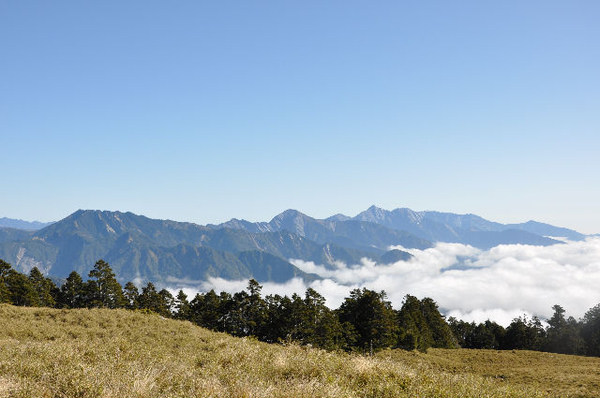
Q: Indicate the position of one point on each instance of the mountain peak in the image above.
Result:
(291, 220)
(289, 214)
(372, 214)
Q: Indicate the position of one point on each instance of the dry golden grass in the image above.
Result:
(117, 353)
(556, 374)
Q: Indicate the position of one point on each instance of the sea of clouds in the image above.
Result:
(501, 284)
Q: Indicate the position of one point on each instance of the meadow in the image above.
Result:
(119, 353)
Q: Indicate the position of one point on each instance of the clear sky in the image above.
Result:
(206, 110)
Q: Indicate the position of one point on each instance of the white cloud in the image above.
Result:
(295, 285)
(499, 315)
(501, 283)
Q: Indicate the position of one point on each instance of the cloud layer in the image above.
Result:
(500, 284)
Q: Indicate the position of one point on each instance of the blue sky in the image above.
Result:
(204, 111)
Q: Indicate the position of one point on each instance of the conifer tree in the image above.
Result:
(591, 331)
(131, 295)
(149, 299)
(524, 334)
(440, 330)
(371, 316)
(320, 326)
(4, 292)
(255, 311)
(414, 332)
(283, 318)
(182, 306)
(481, 337)
(563, 336)
(104, 289)
(238, 314)
(484, 335)
(72, 292)
(461, 330)
(21, 291)
(4, 268)
(206, 311)
(45, 288)
(167, 303)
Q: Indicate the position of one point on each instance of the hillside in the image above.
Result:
(12, 234)
(116, 353)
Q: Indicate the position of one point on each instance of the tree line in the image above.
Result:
(364, 322)
(561, 335)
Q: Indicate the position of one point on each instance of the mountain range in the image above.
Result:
(167, 252)
(20, 224)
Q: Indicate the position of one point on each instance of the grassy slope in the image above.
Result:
(554, 374)
(116, 353)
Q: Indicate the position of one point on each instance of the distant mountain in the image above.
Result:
(141, 248)
(168, 252)
(489, 239)
(183, 264)
(376, 229)
(20, 224)
(542, 229)
(448, 227)
(340, 230)
(393, 256)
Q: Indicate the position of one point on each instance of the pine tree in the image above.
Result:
(524, 334)
(371, 316)
(206, 310)
(44, 288)
(131, 295)
(167, 303)
(149, 299)
(591, 331)
(182, 306)
(440, 330)
(414, 333)
(106, 291)
(21, 291)
(4, 268)
(284, 318)
(4, 292)
(72, 292)
(498, 331)
(255, 313)
(484, 335)
(461, 330)
(320, 326)
(481, 337)
(563, 336)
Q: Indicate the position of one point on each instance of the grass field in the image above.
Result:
(553, 374)
(118, 353)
